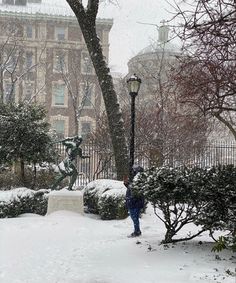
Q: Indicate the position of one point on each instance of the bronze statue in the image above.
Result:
(67, 167)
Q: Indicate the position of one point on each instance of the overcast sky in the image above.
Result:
(127, 36)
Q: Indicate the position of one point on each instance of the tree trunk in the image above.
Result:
(34, 177)
(168, 236)
(1, 88)
(226, 123)
(22, 171)
(87, 21)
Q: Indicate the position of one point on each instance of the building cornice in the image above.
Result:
(51, 17)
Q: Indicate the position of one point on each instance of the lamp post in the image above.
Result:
(133, 83)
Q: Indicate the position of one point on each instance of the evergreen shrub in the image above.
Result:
(219, 209)
(181, 196)
(92, 192)
(111, 205)
(106, 198)
(22, 200)
(173, 193)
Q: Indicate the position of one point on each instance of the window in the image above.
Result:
(15, 2)
(29, 31)
(59, 62)
(20, 2)
(10, 2)
(11, 63)
(85, 129)
(87, 66)
(60, 33)
(87, 96)
(9, 92)
(13, 29)
(28, 91)
(59, 95)
(34, 1)
(28, 59)
(59, 126)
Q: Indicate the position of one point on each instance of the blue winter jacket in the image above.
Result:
(133, 201)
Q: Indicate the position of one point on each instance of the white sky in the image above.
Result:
(127, 36)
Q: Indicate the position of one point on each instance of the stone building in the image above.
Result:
(44, 58)
(152, 63)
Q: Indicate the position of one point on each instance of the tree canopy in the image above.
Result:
(25, 135)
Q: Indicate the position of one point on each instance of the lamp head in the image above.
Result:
(134, 83)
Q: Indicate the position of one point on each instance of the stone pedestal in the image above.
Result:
(65, 200)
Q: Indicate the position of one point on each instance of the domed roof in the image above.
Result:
(162, 45)
(159, 47)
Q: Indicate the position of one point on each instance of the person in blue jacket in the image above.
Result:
(134, 204)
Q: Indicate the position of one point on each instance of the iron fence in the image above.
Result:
(100, 164)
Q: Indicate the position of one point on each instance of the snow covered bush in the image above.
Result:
(92, 192)
(219, 210)
(111, 205)
(205, 197)
(22, 200)
(106, 198)
(174, 194)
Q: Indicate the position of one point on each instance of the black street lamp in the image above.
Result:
(133, 83)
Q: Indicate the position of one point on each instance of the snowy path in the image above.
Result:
(69, 248)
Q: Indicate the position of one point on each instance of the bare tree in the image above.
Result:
(167, 129)
(166, 132)
(16, 62)
(86, 17)
(206, 74)
(80, 87)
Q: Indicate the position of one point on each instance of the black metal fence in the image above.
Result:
(100, 164)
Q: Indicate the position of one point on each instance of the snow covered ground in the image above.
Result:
(65, 247)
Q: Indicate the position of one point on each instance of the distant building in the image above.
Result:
(44, 58)
(151, 64)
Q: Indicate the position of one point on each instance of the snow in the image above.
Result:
(15, 194)
(107, 187)
(55, 7)
(65, 192)
(114, 193)
(66, 247)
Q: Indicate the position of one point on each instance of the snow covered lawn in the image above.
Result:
(66, 247)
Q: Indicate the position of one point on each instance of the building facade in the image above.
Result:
(44, 58)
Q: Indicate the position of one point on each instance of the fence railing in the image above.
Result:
(100, 164)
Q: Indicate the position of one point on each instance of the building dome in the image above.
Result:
(152, 54)
(160, 47)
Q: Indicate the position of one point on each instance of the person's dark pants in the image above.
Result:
(134, 214)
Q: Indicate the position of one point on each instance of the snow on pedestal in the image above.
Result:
(65, 200)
